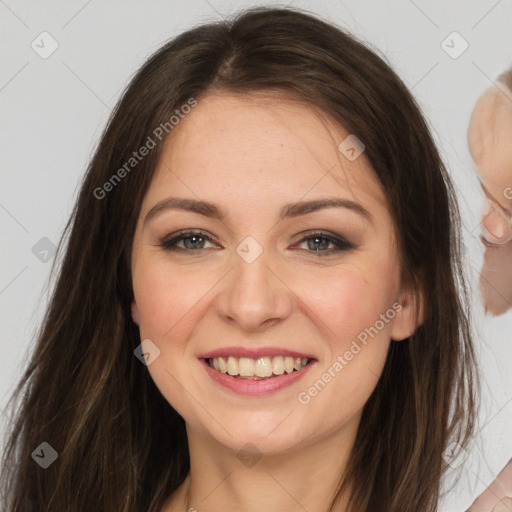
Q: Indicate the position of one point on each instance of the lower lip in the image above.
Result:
(255, 387)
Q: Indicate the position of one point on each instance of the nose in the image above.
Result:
(497, 228)
(255, 295)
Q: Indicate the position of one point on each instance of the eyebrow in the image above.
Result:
(289, 210)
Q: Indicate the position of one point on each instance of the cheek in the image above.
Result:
(345, 379)
(168, 303)
(354, 313)
(350, 301)
(164, 294)
(165, 299)
(357, 313)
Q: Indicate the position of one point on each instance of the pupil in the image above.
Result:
(316, 239)
(190, 238)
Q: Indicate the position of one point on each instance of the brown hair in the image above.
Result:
(121, 447)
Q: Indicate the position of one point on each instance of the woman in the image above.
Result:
(258, 304)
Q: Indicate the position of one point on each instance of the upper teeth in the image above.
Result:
(262, 367)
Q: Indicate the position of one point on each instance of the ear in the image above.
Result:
(410, 315)
(135, 312)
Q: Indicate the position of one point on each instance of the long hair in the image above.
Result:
(120, 445)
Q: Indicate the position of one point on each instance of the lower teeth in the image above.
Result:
(254, 377)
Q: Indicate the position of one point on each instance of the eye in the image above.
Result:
(192, 240)
(318, 242)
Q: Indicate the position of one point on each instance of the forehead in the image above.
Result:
(244, 145)
(489, 136)
(490, 129)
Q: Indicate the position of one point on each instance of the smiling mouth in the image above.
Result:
(263, 368)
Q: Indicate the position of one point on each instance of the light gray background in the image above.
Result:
(53, 111)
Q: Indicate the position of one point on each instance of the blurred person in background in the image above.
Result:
(490, 144)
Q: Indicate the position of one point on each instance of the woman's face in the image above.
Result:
(258, 285)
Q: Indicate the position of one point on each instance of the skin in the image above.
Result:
(498, 496)
(250, 155)
(489, 136)
(489, 140)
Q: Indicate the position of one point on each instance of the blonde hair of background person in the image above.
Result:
(490, 144)
(238, 119)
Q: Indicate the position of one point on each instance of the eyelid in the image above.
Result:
(333, 237)
(184, 233)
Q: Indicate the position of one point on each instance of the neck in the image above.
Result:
(301, 478)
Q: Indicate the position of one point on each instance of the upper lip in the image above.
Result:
(253, 353)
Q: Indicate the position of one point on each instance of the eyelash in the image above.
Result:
(169, 244)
